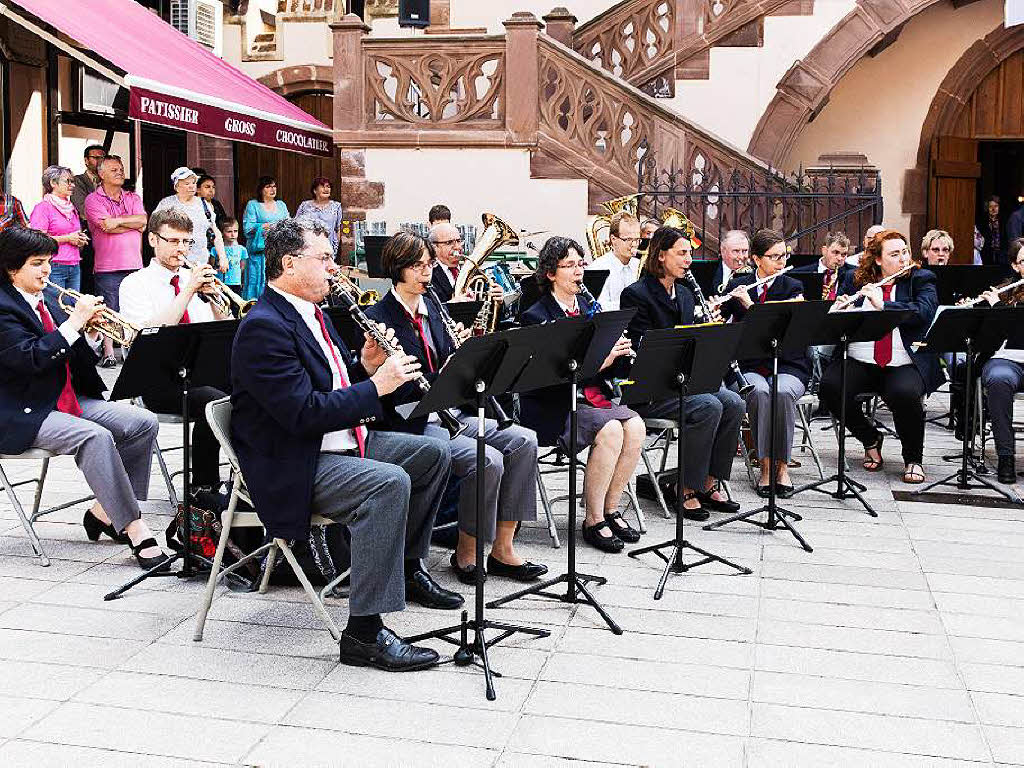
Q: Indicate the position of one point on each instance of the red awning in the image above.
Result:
(172, 79)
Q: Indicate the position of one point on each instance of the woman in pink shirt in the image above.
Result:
(56, 216)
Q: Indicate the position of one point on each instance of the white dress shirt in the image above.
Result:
(66, 329)
(423, 312)
(619, 276)
(864, 351)
(341, 439)
(148, 292)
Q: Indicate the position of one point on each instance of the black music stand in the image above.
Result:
(468, 376)
(188, 355)
(667, 366)
(842, 328)
(770, 330)
(529, 292)
(959, 281)
(966, 330)
(813, 283)
(703, 271)
(570, 350)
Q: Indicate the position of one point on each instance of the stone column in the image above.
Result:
(349, 79)
(522, 77)
(560, 25)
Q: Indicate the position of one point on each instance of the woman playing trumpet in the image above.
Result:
(768, 249)
(890, 366)
(614, 433)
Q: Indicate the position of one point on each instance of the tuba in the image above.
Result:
(598, 228)
(473, 279)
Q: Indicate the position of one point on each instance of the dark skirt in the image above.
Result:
(590, 421)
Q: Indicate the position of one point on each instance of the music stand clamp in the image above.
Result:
(841, 329)
(966, 330)
(469, 376)
(666, 367)
(182, 354)
(769, 331)
(568, 350)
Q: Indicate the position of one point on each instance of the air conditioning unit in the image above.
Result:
(202, 20)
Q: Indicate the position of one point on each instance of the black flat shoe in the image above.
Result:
(526, 572)
(762, 491)
(708, 501)
(784, 491)
(389, 652)
(621, 528)
(94, 527)
(699, 514)
(1006, 472)
(421, 589)
(160, 563)
(464, 573)
(591, 535)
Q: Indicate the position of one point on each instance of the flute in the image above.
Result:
(720, 301)
(978, 299)
(846, 301)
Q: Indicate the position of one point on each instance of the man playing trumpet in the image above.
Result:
(164, 293)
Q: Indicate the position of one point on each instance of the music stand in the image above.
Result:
(964, 330)
(666, 366)
(373, 248)
(529, 292)
(958, 281)
(703, 271)
(842, 328)
(813, 283)
(467, 376)
(464, 312)
(771, 330)
(568, 350)
(189, 354)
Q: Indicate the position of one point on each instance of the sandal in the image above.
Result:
(873, 465)
(911, 476)
(621, 528)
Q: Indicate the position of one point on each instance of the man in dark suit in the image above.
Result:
(832, 265)
(734, 251)
(52, 398)
(301, 405)
(447, 244)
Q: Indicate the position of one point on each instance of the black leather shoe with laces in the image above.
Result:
(388, 652)
(420, 588)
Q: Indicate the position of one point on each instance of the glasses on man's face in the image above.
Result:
(571, 265)
(324, 259)
(424, 266)
(776, 256)
(630, 240)
(97, 157)
(448, 242)
(177, 242)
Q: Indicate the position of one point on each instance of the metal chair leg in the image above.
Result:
(271, 559)
(37, 546)
(806, 427)
(545, 502)
(641, 520)
(172, 495)
(318, 606)
(211, 583)
(654, 481)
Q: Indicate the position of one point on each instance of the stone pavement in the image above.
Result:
(898, 642)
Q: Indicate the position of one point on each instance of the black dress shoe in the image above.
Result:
(1007, 472)
(699, 514)
(784, 491)
(465, 573)
(526, 572)
(591, 535)
(621, 528)
(389, 652)
(708, 501)
(160, 562)
(420, 588)
(762, 491)
(94, 527)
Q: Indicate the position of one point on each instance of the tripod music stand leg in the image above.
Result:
(615, 628)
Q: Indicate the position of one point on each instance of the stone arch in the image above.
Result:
(804, 90)
(288, 81)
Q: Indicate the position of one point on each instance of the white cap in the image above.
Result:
(182, 173)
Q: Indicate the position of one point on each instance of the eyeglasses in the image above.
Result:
(449, 242)
(424, 266)
(633, 240)
(188, 242)
(325, 259)
(571, 265)
(96, 157)
(776, 256)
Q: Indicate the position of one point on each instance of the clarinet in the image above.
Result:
(734, 369)
(449, 325)
(340, 288)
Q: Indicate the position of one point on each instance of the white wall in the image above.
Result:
(490, 13)
(743, 80)
(879, 106)
(474, 181)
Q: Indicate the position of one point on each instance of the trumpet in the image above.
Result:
(997, 290)
(222, 297)
(720, 301)
(709, 313)
(109, 324)
(848, 301)
(346, 290)
(453, 333)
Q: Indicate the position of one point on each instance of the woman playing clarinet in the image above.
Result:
(768, 250)
(890, 366)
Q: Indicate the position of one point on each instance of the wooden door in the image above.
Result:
(162, 151)
(294, 172)
(952, 193)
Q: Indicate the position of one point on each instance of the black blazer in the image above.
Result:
(812, 268)
(784, 287)
(545, 410)
(32, 369)
(283, 404)
(654, 309)
(390, 312)
(920, 295)
(441, 285)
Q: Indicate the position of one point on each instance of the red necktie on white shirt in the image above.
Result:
(184, 317)
(883, 347)
(417, 323)
(67, 401)
(359, 431)
(762, 294)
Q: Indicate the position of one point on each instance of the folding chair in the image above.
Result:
(218, 414)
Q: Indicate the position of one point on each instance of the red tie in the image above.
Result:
(762, 294)
(67, 402)
(184, 318)
(592, 394)
(359, 431)
(417, 322)
(832, 283)
(883, 347)
(455, 274)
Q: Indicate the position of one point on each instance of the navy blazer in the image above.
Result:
(441, 285)
(32, 369)
(918, 294)
(782, 288)
(654, 308)
(283, 404)
(812, 268)
(390, 312)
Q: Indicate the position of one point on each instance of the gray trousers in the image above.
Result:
(113, 446)
(510, 473)
(1002, 379)
(759, 407)
(388, 501)
(712, 432)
